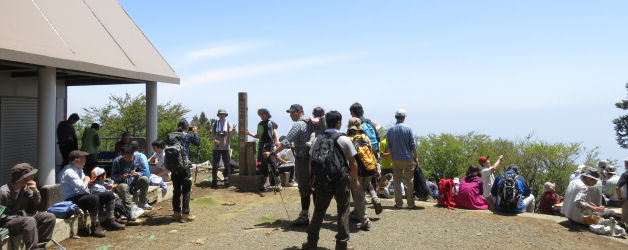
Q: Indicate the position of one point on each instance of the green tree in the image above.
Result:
(621, 124)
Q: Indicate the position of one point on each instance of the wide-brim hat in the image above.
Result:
(591, 173)
(222, 111)
(21, 171)
(264, 111)
(354, 124)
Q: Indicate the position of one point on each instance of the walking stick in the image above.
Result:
(198, 148)
(278, 190)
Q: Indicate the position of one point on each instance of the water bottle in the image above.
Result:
(613, 223)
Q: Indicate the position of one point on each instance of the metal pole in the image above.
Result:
(46, 110)
(151, 116)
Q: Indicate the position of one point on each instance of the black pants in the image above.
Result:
(90, 163)
(65, 148)
(217, 155)
(182, 185)
(323, 195)
(92, 202)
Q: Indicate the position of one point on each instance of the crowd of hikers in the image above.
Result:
(324, 157)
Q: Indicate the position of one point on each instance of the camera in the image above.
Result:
(222, 133)
(190, 129)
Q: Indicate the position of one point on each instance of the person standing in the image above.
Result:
(91, 145)
(402, 146)
(66, 137)
(182, 181)
(222, 131)
(488, 178)
(334, 184)
(21, 198)
(298, 137)
(365, 153)
(268, 140)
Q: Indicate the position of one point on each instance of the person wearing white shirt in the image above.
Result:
(488, 178)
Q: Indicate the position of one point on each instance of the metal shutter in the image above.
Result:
(18, 134)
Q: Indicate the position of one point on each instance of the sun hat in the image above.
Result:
(580, 169)
(354, 124)
(264, 111)
(21, 171)
(610, 169)
(222, 111)
(591, 173)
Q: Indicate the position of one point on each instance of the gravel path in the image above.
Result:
(221, 224)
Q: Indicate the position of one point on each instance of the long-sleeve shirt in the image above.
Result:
(191, 139)
(66, 133)
(298, 136)
(577, 197)
(401, 142)
(71, 180)
(140, 158)
(120, 167)
(19, 203)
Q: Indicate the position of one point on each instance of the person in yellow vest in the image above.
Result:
(91, 145)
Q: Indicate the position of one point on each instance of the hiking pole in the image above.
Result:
(276, 189)
(198, 148)
(58, 245)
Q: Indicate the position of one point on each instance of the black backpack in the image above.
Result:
(509, 192)
(175, 159)
(420, 185)
(328, 161)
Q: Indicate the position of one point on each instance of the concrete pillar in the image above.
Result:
(242, 136)
(46, 110)
(151, 115)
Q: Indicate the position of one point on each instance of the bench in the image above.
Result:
(616, 209)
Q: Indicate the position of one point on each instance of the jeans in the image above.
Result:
(217, 155)
(182, 185)
(126, 193)
(324, 193)
(404, 171)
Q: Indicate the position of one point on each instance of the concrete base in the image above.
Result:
(67, 228)
(247, 183)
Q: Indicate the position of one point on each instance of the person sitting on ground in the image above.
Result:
(358, 138)
(268, 140)
(549, 199)
(622, 186)
(21, 199)
(521, 200)
(130, 177)
(470, 195)
(432, 186)
(580, 201)
(74, 188)
(139, 157)
(610, 190)
(125, 140)
(576, 175)
(488, 177)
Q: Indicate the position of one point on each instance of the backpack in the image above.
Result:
(420, 185)
(370, 131)
(121, 210)
(175, 159)
(366, 158)
(446, 191)
(64, 209)
(328, 161)
(508, 193)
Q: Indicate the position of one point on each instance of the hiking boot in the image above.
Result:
(301, 221)
(366, 225)
(214, 185)
(188, 217)
(97, 230)
(112, 225)
(177, 216)
(343, 246)
(146, 206)
(378, 206)
(306, 246)
(353, 216)
(398, 206)
(292, 184)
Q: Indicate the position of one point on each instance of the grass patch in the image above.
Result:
(266, 219)
(206, 202)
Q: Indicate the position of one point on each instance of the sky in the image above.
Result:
(502, 68)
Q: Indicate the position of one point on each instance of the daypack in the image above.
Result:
(121, 210)
(328, 161)
(366, 158)
(508, 193)
(64, 209)
(370, 131)
(420, 185)
(175, 159)
(446, 191)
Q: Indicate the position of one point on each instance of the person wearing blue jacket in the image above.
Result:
(526, 200)
(130, 177)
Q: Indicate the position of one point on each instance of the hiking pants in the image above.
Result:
(360, 200)
(94, 202)
(301, 166)
(36, 230)
(182, 185)
(529, 204)
(324, 193)
(216, 156)
(404, 171)
(65, 148)
(126, 193)
(90, 162)
(624, 211)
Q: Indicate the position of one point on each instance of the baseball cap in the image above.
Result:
(295, 107)
(401, 113)
(482, 159)
(355, 123)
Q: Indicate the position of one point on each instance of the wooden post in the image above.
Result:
(250, 158)
(242, 136)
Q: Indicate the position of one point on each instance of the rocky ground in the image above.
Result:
(230, 219)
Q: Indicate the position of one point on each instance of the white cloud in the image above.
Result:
(232, 73)
(221, 50)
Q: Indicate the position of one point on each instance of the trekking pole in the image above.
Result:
(276, 189)
(58, 244)
(198, 148)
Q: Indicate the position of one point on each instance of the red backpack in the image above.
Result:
(446, 191)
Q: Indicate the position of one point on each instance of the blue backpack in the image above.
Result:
(64, 209)
(370, 131)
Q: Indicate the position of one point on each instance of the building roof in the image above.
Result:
(93, 37)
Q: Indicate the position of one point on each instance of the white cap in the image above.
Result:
(626, 160)
(401, 113)
(98, 171)
(580, 169)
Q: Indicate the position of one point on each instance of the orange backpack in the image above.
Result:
(362, 144)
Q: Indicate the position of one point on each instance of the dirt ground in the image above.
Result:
(230, 219)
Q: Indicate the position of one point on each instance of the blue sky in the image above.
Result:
(502, 68)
